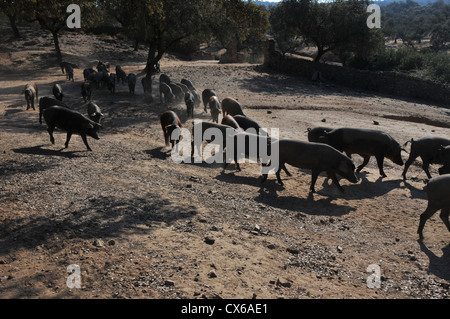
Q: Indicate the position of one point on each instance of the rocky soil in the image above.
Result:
(140, 226)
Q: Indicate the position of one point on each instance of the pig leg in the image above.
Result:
(50, 130)
(69, 135)
(408, 163)
(445, 212)
(278, 174)
(424, 217)
(285, 169)
(364, 163)
(83, 136)
(380, 160)
(425, 165)
(335, 181)
(264, 178)
(315, 174)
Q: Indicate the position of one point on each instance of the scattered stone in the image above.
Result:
(111, 242)
(293, 251)
(339, 249)
(169, 283)
(194, 179)
(210, 240)
(324, 120)
(271, 246)
(212, 274)
(376, 123)
(98, 243)
(285, 284)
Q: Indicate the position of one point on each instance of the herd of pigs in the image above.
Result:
(327, 150)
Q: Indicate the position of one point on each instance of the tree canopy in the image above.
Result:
(339, 26)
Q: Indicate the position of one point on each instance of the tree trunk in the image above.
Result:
(320, 52)
(151, 60)
(57, 48)
(12, 21)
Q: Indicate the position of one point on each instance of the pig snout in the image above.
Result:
(347, 170)
(93, 133)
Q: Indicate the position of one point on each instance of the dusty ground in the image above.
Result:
(136, 223)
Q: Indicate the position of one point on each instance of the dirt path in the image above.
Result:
(136, 223)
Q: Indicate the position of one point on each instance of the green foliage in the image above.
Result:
(339, 26)
(429, 65)
(411, 22)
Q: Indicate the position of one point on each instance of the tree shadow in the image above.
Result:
(439, 266)
(12, 167)
(102, 217)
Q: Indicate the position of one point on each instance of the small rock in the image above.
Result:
(376, 123)
(324, 120)
(98, 243)
(111, 242)
(209, 240)
(269, 112)
(189, 186)
(271, 246)
(212, 274)
(285, 284)
(339, 249)
(169, 283)
(257, 228)
(293, 251)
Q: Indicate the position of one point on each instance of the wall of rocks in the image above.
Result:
(383, 82)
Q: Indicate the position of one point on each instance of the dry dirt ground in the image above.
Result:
(136, 223)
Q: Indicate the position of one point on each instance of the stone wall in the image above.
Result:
(383, 82)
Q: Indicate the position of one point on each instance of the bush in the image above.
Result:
(427, 64)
